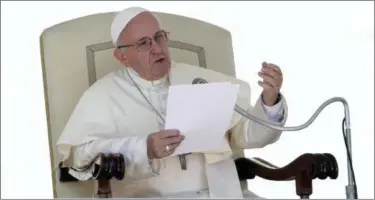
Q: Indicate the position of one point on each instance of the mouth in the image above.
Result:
(160, 60)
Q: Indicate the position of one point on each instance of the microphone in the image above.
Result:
(351, 188)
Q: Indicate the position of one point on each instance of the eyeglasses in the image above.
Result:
(145, 43)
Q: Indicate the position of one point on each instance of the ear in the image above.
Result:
(120, 56)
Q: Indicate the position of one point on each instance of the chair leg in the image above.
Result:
(104, 189)
(304, 185)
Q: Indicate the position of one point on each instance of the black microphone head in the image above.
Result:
(199, 81)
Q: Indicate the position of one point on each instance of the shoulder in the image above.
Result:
(100, 90)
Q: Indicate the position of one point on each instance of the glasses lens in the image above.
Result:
(144, 45)
(160, 39)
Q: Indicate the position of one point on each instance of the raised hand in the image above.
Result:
(271, 84)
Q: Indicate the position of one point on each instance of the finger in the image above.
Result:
(270, 80)
(275, 68)
(172, 140)
(172, 149)
(271, 73)
(272, 67)
(169, 133)
(160, 144)
(167, 153)
(162, 150)
(265, 85)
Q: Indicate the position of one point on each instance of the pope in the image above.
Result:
(124, 112)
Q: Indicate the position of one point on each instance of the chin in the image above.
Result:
(161, 68)
(163, 65)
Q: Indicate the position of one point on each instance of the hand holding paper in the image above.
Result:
(202, 113)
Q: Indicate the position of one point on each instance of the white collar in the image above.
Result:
(143, 83)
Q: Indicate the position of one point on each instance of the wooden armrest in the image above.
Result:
(105, 167)
(303, 170)
(317, 165)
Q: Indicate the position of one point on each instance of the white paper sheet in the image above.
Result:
(202, 113)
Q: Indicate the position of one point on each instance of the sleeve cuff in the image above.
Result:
(137, 159)
(274, 113)
(153, 164)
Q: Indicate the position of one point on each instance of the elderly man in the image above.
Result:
(124, 113)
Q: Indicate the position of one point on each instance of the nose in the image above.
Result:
(155, 47)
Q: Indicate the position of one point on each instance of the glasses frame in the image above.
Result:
(148, 40)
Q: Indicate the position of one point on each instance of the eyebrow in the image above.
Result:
(156, 33)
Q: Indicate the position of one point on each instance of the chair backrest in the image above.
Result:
(78, 52)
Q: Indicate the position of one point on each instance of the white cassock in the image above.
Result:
(113, 117)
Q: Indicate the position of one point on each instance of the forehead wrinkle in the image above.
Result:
(133, 37)
(128, 35)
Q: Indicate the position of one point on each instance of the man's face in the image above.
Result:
(146, 47)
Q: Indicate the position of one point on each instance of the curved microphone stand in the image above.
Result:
(351, 188)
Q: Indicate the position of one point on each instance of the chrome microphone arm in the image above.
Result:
(351, 188)
(246, 114)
